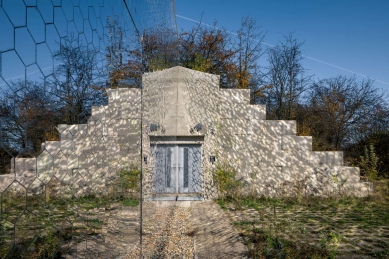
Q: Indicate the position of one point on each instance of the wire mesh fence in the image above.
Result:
(101, 131)
(70, 137)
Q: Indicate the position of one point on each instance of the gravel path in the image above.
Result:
(188, 229)
(215, 235)
(167, 232)
(171, 229)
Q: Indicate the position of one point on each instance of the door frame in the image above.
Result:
(177, 178)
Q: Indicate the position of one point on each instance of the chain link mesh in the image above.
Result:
(69, 129)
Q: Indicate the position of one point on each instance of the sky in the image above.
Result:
(342, 37)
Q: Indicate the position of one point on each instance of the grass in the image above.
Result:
(130, 202)
(37, 223)
(313, 227)
(42, 231)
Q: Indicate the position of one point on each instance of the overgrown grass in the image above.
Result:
(130, 202)
(313, 227)
(48, 220)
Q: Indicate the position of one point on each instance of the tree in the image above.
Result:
(116, 50)
(286, 79)
(206, 49)
(155, 49)
(76, 82)
(210, 50)
(28, 118)
(248, 51)
(339, 106)
(372, 130)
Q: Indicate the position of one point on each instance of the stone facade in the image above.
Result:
(183, 107)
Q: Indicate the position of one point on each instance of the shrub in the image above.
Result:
(368, 162)
(224, 178)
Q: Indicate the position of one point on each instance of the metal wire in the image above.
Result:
(61, 172)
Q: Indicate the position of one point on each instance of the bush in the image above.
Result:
(368, 162)
(126, 184)
(225, 180)
(129, 178)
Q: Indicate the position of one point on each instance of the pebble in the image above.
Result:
(166, 235)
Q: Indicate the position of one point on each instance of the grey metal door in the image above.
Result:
(177, 168)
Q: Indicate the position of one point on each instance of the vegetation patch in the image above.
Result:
(313, 227)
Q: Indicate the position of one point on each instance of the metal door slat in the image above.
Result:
(177, 168)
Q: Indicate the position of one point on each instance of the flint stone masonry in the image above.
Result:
(186, 106)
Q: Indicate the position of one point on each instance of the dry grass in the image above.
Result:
(314, 227)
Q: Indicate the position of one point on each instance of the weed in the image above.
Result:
(222, 203)
(130, 202)
(315, 227)
(225, 181)
(75, 216)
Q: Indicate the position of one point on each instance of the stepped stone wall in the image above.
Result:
(185, 106)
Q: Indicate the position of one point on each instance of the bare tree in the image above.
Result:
(340, 106)
(248, 52)
(116, 53)
(286, 79)
(27, 117)
(76, 82)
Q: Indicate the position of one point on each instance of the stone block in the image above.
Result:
(5, 181)
(45, 166)
(111, 113)
(95, 128)
(257, 112)
(240, 111)
(330, 158)
(279, 158)
(130, 110)
(336, 158)
(347, 174)
(72, 161)
(19, 164)
(112, 94)
(304, 156)
(318, 158)
(269, 144)
(289, 173)
(60, 165)
(62, 127)
(78, 142)
(124, 94)
(134, 95)
(270, 176)
(66, 134)
(235, 95)
(83, 130)
(53, 147)
(67, 146)
(288, 127)
(30, 164)
(362, 189)
(98, 113)
(83, 164)
(270, 129)
(25, 170)
(73, 129)
(290, 142)
(235, 126)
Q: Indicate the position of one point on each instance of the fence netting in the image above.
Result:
(70, 122)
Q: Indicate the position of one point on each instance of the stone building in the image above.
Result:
(189, 127)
